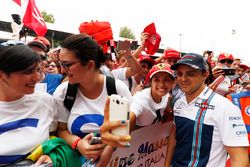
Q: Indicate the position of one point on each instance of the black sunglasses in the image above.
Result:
(229, 61)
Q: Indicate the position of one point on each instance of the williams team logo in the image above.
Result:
(247, 110)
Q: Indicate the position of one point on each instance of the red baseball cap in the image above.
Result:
(243, 66)
(38, 44)
(147, 58)
(160, 67)
(171, 53)
(223, 56)
(152, 43)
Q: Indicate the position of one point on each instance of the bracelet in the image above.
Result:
(74, 144)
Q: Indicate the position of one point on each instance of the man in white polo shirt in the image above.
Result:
(207, 125)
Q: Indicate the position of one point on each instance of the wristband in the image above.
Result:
(74, 144)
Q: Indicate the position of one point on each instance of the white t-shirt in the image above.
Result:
(145, 107)
(120, 73)
(222, 126)
(25, 124)
(86, 114)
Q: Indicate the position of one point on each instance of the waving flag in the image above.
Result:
(32, 17)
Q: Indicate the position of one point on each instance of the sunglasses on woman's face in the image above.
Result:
(229, 61)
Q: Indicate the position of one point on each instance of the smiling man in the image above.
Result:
(204, 130)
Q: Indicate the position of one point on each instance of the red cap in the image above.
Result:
(160, 67)
(171, 53)
(152, 43)
(38, 44)
(100, 30)
(243, 66)
(223, 56)
(147, 58)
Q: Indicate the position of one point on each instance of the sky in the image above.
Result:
(184, 25)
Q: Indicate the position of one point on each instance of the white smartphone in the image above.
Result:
(119, 110)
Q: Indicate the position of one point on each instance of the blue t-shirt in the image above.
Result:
(52, 81)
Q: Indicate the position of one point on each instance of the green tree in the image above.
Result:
(126, 32)
(48, 17)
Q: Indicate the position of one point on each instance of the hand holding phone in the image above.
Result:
(228, 71)
(95, 140)
(119, 110)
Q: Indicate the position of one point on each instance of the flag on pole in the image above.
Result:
(32, 17)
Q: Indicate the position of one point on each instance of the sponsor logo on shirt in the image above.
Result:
(241, 133)
(204, 106)
(236, 118)
(237, 125)
(247, 110)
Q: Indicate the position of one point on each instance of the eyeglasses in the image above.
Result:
(66, 66)
(229, 61)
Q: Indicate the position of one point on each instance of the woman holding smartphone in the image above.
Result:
(149, 105)
(81, 58)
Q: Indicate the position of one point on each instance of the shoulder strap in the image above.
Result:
(130, 83)
(72, 90)
(110, 84)
(70, 96)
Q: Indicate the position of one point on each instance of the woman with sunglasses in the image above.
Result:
(81, 58)
(26, 116)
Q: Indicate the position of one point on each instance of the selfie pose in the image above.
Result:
(81, 58)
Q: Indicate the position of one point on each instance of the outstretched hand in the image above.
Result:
(107, 137)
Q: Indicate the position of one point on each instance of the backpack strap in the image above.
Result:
(70, 96)
(130, 83)
(72, 90)
(110, 84)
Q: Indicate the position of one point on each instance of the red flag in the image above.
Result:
(32, 17)
(18, 2)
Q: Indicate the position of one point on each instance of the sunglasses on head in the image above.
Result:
(11, 43)
(229, 61)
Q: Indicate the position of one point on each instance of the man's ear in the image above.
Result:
(205, 74)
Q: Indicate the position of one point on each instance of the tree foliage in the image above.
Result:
(126, 32)
(48, 17)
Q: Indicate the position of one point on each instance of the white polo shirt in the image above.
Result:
(203, 143)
